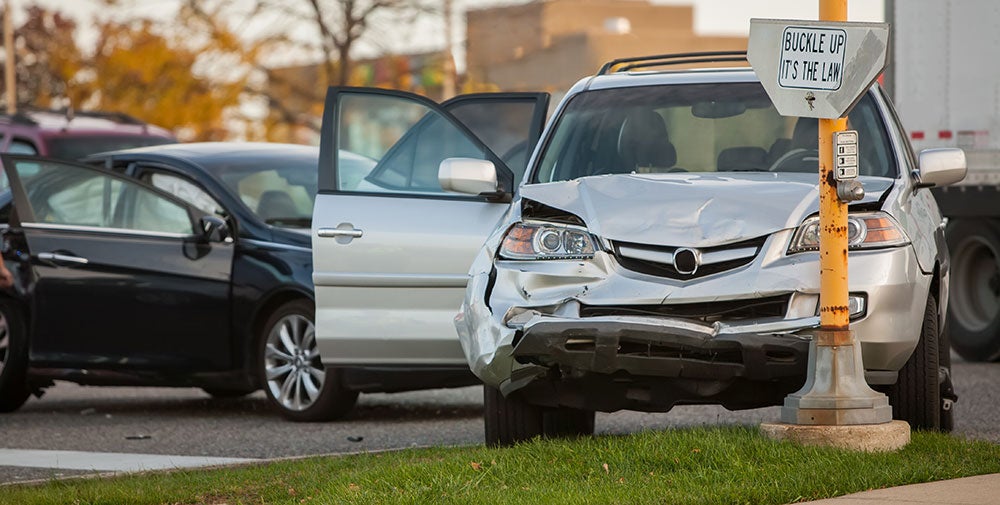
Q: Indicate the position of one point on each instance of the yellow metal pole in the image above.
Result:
(833, 291)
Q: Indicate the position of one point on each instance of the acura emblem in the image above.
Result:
(686, 260)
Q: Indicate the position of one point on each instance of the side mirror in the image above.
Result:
(941, 167)
(214, 229)
(468, 175)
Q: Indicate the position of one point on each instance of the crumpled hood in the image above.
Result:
(694, 210)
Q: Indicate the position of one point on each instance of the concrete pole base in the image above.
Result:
(835, 392)
(884, 437)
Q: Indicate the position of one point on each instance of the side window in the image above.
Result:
(152, 212)
(72, 195)
(20, 146)
(186, 190)
(406, 140)
(504, 126)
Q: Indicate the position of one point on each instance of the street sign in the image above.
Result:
(812, 58)
(816, 69)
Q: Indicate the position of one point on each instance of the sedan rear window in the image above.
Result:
(725, 127)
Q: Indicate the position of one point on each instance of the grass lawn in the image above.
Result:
(704, 465)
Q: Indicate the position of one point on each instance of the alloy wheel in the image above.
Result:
(292, 366)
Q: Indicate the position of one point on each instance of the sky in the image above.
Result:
(711, 17)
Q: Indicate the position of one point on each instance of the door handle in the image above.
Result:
(57, 258)
(337, 232)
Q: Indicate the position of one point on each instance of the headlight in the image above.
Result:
(545, 241)
(865, 230)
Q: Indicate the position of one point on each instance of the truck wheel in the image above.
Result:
(916, 396)
(13, 359)
(567, 422)
(509, 420)
(974, 308)
(294, 378)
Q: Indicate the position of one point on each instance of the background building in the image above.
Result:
(550, 44)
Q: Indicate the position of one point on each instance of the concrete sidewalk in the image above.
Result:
(979, 490)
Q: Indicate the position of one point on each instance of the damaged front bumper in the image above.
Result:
(590, 334)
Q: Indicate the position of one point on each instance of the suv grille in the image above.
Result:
(686, 263)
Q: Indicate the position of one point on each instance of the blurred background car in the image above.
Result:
(70, 135)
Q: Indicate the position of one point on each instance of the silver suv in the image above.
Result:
(662, 250)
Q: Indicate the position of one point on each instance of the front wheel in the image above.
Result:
(509, 420)
(294, 378)
(916, 396)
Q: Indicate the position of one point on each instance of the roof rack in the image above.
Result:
(660, 60)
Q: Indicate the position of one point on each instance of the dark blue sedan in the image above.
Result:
(177, 265)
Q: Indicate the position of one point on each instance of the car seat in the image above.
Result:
(276, 204)
(643, 142)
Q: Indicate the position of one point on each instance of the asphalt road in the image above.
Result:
(190, 423)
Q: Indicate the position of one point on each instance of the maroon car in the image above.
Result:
(72, 135)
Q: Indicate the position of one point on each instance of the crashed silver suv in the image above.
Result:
(662, 250)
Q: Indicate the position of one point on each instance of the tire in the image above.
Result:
(916, 396)
(227, 392)
(14, 389)
(974, 307)
(293, 377)
(567, 422)
(509, 420)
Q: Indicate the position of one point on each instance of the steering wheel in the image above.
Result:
(797, 160)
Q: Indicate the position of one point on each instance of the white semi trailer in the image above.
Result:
(944, 77)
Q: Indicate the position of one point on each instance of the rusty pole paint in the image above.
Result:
(833, 292)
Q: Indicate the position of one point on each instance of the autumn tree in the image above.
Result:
(268, 35)
(46, 59)
(140, 72)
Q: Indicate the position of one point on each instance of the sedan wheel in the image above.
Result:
(13, 359)
(294, 378)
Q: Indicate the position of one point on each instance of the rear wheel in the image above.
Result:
(13, 358)
(294, 378)
(916, 396)
(974, 308)
(510, 419)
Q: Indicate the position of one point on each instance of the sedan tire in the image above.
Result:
(294, 378)
(14, 389)
(916, 396)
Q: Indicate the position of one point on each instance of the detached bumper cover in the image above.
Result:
(661, 348)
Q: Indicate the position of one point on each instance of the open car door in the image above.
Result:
(120, 272)
(391, 248)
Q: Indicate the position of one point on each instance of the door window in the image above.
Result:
(72, 195)
(185, 190)
(504, 125)
(408, 141)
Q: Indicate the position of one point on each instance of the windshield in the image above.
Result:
(76, 147)
(724, 127)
